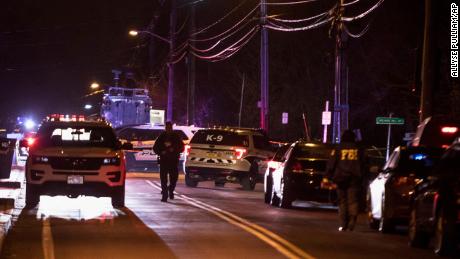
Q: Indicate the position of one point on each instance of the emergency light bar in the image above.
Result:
(449, 130)
(62, 117)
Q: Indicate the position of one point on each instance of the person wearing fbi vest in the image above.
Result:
(345, 168)
(168, 147)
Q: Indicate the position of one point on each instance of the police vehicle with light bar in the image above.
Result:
(70, 156)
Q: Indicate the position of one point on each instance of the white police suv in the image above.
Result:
(73, 157)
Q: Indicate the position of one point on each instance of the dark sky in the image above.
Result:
(52, 50)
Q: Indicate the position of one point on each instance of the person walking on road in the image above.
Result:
(345, 168)
(168, 147)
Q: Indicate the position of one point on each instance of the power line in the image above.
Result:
(350, 19)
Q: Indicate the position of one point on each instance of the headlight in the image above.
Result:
(40, 159)
(111, 161)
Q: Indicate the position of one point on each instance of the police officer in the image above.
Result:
(168, 147)
(345, 168)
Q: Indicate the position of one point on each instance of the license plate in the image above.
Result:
(75, 179)
(212, 155)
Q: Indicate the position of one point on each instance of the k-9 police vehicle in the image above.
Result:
(227, 155)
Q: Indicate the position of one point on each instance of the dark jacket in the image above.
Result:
(345, 164)
(168, 146)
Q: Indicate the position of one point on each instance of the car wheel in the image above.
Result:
(386, 224)
(444, 236)
(373, 222)
(268, 191)
(190, 182)
(118, 197)
(249, 180)
(275, 201)
(417, 237)
(286, 198)
(32, 196)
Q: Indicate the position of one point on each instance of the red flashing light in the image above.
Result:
(239, 152)
(187, 150)
(296, 167)
(30, 142)
(449, 130)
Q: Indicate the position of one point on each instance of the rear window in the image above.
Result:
(146, 134)
(139, 134)
(319, 152)
(76, 136)
(220, 137)
(419, 161)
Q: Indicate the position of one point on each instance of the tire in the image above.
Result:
(268, 191)
(32, 196)
(373, 222)
(287, 197)
(189, 182)
(417, 237)
(118, 197)
(249, 181)
(444, 235)
(386, 224)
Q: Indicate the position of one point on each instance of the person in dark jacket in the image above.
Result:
(168, 147)
(345, 168)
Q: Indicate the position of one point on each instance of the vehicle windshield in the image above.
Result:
(220, 137)
(77, 136)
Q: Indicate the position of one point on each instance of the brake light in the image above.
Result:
(296, 167)
(273, 164)
(30, 142)
(187, 150)
(239, 152)
(449, 130)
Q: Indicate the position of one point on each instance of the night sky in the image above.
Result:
(52, 50)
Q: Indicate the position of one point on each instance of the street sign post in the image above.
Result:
(389, 121)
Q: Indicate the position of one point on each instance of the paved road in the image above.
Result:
(203, 222)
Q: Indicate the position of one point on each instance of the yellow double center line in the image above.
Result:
(281, 245)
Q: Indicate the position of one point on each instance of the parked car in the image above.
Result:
(389, 194)
(300, 173)
(142, 157)
(435, 208)
(272, 165)
(224, 154)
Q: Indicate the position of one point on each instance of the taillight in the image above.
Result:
(296, 167)
(187, 150)
(449, 130)
(30, 142)
(239, 152)
(273, 164)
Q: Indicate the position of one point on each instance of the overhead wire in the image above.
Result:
(291, 3)
(218, 21)
(359, 35)
(350, 19)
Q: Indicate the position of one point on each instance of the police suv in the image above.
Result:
(227, 155)
(73, 157)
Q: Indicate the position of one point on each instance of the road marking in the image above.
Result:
(281, 245)
(47, 240)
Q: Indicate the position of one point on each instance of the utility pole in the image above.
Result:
(264, 87)
(191, 72)
(241, 100)
(172, 31)
(427, 63)
(340, 118)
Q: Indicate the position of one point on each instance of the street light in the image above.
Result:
(134, 33)
(94, 85)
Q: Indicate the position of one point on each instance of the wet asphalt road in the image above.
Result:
(202, 222)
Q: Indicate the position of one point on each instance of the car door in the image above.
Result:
(278, 172)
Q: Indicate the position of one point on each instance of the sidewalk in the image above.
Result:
(10, 190)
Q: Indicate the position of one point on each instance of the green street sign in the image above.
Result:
(389, 120)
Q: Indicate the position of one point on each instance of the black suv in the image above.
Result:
(435, 210)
